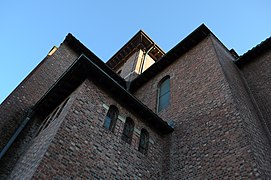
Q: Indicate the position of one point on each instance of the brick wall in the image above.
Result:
(33, 152)
(253, 127)
(257, 74)
(18, 148)
(83, 148)
(209, 140)
(27, 93)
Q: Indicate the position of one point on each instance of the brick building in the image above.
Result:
(198, 111)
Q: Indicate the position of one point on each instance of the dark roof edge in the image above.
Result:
(181, 48)
(54, 86)
(140, 32)
(256, 51)
(83, 68)
(79, 48)
(202, 29)
(27, 77)
(127, 96)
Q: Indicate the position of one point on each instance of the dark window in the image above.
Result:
(143, 141)
(61, 108)
(111, 118)
(52, 117)
(163, 93)
(128, 130)
(119, 72)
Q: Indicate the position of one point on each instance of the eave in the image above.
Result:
(79, 48)
(181, 48)
(255, 52)
(84, 68)
(139, 41)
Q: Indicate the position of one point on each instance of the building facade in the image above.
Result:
(198, 111)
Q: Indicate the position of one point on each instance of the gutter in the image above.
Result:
(17, 132)
(98, 75)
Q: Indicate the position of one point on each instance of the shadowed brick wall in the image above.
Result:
(209, 140)
(27, 93)
(253, 126)
(257, 74)
(83, 148)
(34, 151)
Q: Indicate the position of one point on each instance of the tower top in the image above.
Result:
(139, 41)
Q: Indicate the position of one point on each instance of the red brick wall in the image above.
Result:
(254, 128)
(16, 105)
(34, 151)
(83, 148)
(209, 140)
(257, 74)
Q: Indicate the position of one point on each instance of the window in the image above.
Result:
(111, 118)
(52, 117)
(61, 108)
(48, 120)
(128, 130)
(163, 94)
(143, 141)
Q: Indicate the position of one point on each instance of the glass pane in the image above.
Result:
(164, 101)
(164, 88)
(126, 129)
(112, 116)
(107, 122)
(142, 140)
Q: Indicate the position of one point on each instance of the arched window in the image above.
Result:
(128, 130)
(111, 118)
(163, 93)
(143, 141)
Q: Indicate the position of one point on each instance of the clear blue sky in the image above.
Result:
(30, 28)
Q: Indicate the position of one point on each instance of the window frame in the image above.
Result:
(52, 116)
(167, 93)
(112, 116)
(144, 136)
(128, 130)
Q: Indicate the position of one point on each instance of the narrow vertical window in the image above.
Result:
(163, 94)
(111, 118)
(52, 116)
(61, 108)
(143, 141)
(128, 130)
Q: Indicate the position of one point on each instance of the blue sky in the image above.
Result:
(29, 29)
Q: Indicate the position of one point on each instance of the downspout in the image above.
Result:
(144, 59)
(17, 132)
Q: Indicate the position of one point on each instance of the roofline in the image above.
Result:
(114, 60)
(181, 48)
(88, 68)
(255, 52)
(79, 48)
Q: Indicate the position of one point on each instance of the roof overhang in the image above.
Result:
(85, 68)
(255, 52)
(89, 66)
(181, 48)
(139, 41)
